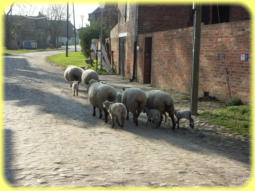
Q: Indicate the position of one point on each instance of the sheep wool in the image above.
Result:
(135, 100)
(117, 111)
(89, 74)
(98, 93)
(162, 101)
(73, 73)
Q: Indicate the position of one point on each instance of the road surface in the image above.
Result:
(52, 139)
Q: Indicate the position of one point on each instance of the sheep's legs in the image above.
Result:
(191, 122)
(77, 93)
(178, 123)
(113, 122)
(127, 114)
(100, 113)
(105, 115)
(94, 111)
(161, 119)
(118, 122)
(173, 120)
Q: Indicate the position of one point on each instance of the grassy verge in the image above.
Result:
(21, 51)
(235, 118)
(74, 58)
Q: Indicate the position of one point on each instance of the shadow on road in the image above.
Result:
(19, 67)
(194, 140)
(9, 156)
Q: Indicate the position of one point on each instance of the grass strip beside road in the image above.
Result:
(21, 51)
(74, 58)
(235, 118)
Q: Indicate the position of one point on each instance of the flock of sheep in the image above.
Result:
(105, 98)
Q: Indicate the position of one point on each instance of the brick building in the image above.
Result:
(163, 35)
(110, 15)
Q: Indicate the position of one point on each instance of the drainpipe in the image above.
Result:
(134, 77)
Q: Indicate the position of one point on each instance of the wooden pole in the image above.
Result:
(75, 49)
(195, 59)
(67, 15)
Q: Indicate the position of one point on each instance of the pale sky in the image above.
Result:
(81, 10)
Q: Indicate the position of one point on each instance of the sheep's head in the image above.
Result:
(106, 104)
(154, 117)
(91, 82)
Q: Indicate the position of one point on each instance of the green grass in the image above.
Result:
(21, 51)
(235, 118)
(74, 58)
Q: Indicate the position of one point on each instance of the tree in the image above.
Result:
(56, 14)
(88, 33)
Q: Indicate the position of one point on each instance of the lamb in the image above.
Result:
(73, 73)
(135, 100)
(184, 114)
(162, 101)
(75, 87)
(98, 93)
(117, 111)
(153, 116)
(89, 74)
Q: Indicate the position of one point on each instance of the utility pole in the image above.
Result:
(101, 37)
(195, 58)
(67, 15)
(82, 17)
(74, 30)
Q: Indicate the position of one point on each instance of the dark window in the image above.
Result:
(205, 15)
(220, 14)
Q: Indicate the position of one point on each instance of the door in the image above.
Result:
(147, 60)
(122, 55)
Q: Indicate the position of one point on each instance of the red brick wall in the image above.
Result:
(172, 59)
(162, 17)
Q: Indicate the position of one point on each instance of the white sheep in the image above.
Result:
(134, 99)
(75, 87)
(162, 101)
(73, 73)
(117, 112)
(98, 93)
(89, 74)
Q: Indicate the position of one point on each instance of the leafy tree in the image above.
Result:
(90, 32)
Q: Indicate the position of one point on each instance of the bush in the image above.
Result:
(88, 33)
(235, 102)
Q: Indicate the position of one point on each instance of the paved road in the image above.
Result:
(51, 139)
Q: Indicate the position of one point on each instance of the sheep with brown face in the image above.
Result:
(117, 112)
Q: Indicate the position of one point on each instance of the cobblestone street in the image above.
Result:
(52, 139)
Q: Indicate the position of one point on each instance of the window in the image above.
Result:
(220, 14)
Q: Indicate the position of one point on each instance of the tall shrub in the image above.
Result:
(88, 33)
